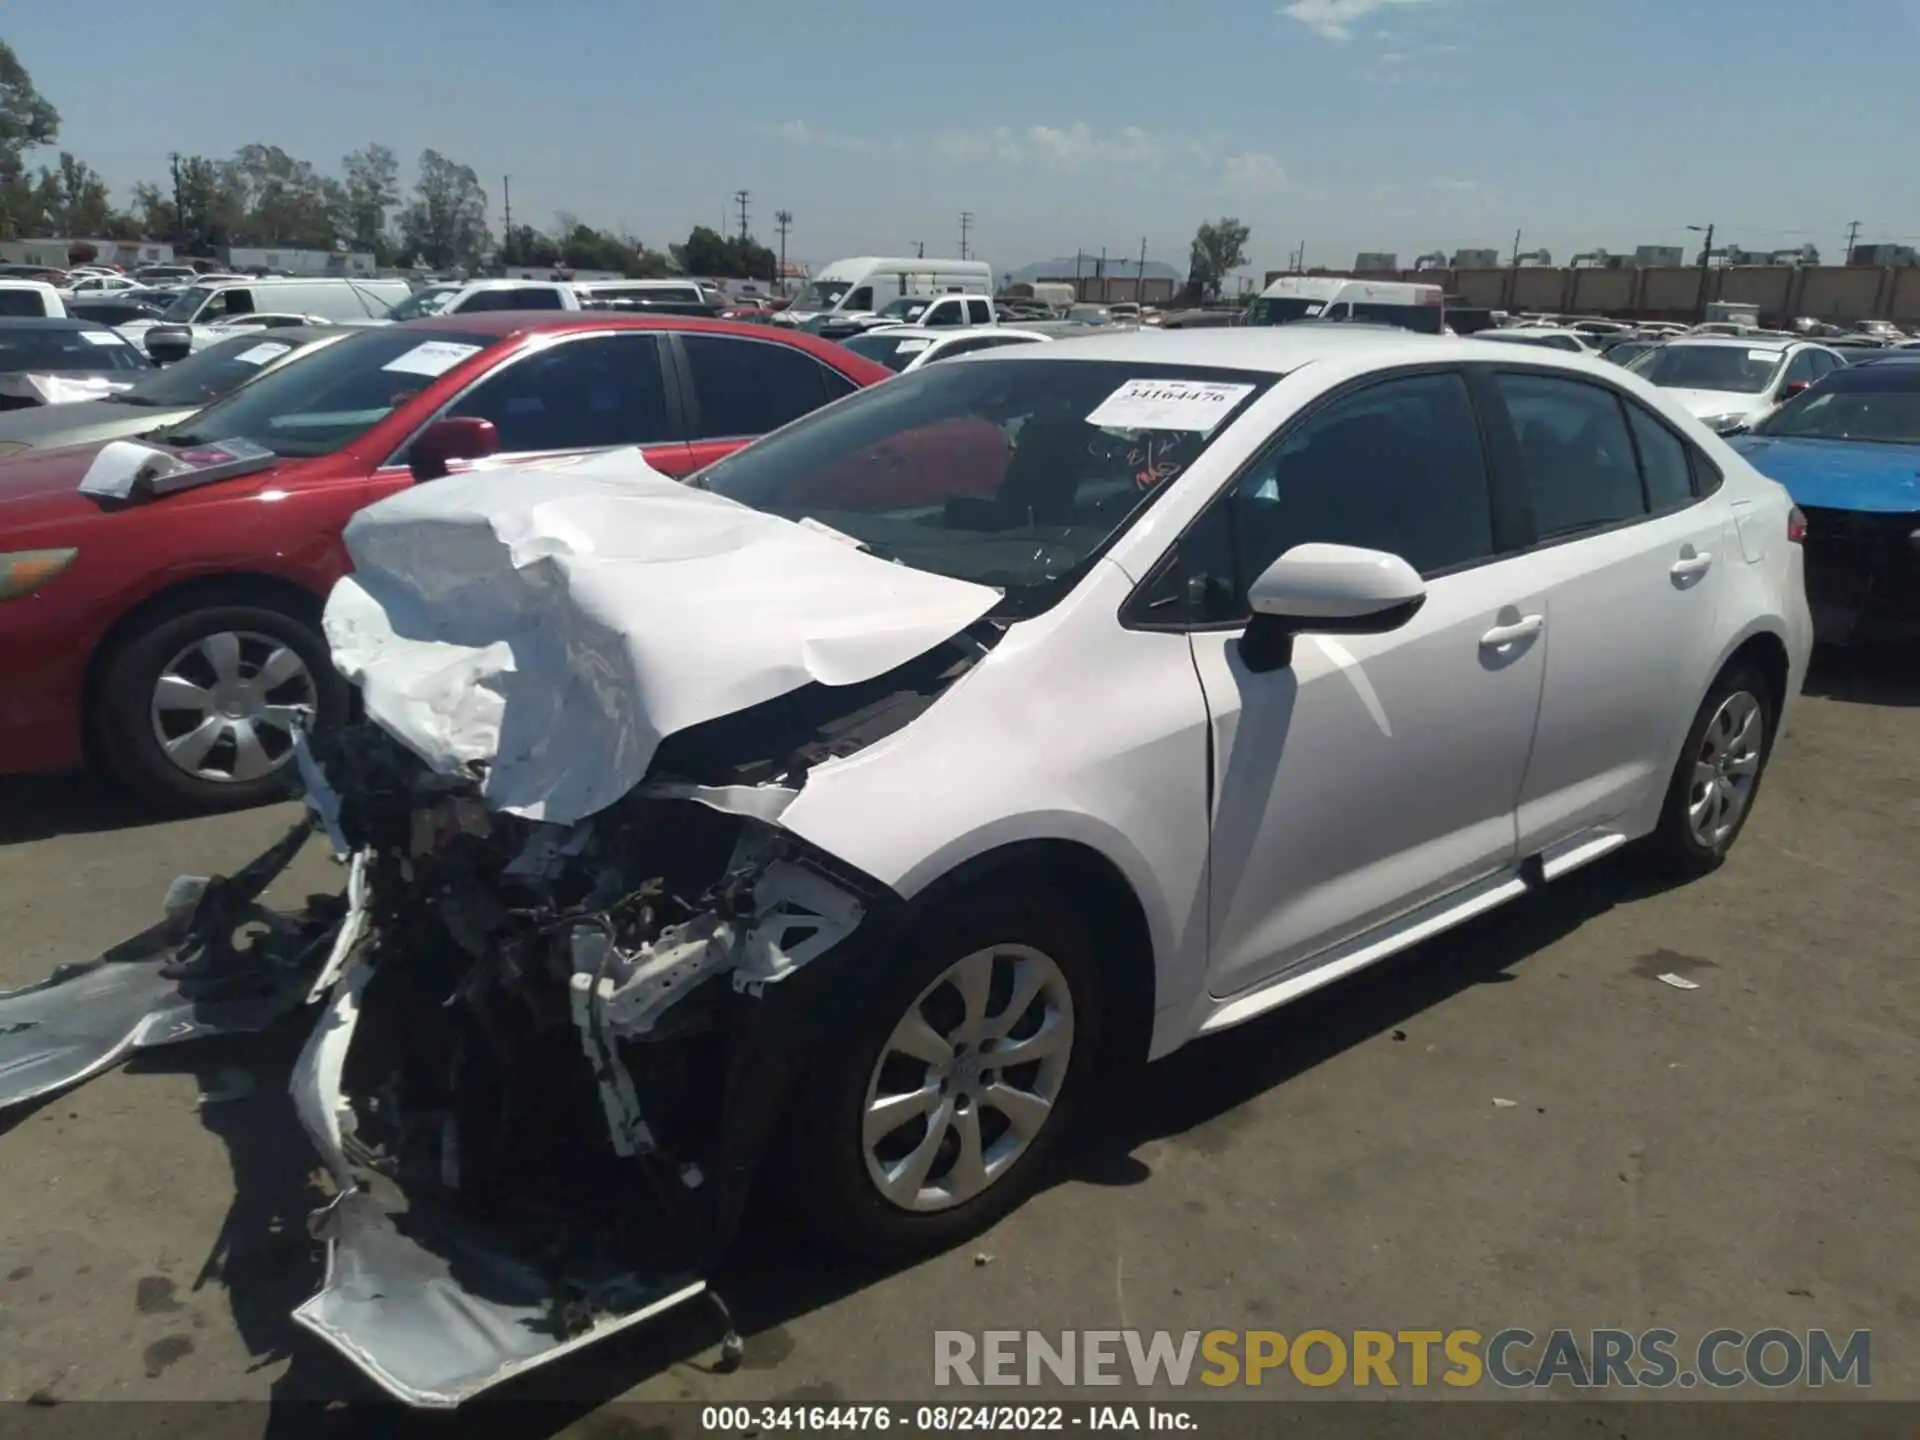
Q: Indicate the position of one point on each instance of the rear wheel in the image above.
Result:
(197, 708)
(1718, 775)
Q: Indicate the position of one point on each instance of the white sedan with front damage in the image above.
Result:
(837, 819)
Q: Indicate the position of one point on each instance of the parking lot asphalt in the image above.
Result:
(1741, 1154)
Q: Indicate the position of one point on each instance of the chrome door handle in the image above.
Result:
(1521, 629)
(1690, 566)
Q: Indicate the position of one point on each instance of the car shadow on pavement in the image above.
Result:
(268, 1264)
(40, 807)
(1878, 675)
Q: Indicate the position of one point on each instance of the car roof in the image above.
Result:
(1281, 349)
(1738, 342)
(507, 324)
(48, 322)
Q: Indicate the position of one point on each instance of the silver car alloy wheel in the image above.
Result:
(1725, 769)
(968, 1078)
(224, 708)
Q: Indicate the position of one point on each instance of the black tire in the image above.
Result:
(1673, 848)
(825, 1158)
(122, 720)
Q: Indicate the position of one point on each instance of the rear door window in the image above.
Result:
(1579, 460)
(749, 387)
(580, 394)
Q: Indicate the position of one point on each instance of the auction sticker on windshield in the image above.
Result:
(260, 354)
(431, 357)
(1764, 356)
(907, 347)
(101, 337)
(1168, 405)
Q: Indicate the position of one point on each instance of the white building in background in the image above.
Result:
(301, 262)
(55, 252)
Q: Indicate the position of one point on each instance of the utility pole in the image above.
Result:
(740, 199)
(1853, 234)
(966, 227)
(179, 209)
(783, 222)
(1706, 259)
(1515, 262)
(1300, 259)
(509, 252)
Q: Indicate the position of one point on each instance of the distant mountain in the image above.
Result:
(1116, 265)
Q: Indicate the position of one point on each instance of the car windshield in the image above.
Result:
(896, 352)
(1710, 367)
(994, 471)
(187, 304)
(334, 397)
(422, 303)
(907, 307)
(1876, 405)
(34, 350)
(1284, 309)
(822, 295)
(202, 378)
(1507, 337)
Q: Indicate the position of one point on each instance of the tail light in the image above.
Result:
(1796, 526)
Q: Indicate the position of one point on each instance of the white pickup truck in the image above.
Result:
(929, 312)
(31, 298)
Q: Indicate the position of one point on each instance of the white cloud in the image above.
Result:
(798, 132)
(1454, 187)
(1253, 172)
(1057, 147)
(1335, 19)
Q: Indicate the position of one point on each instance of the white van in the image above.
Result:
(867, 283)
(336, 299)
(1331, 297)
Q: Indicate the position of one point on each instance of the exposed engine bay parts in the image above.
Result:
(551, 625)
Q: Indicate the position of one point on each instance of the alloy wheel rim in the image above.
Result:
(968, 1078)
(1725, 769)
(225, 707)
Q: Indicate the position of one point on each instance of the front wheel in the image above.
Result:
(1718, 776)
(934, 1109)
(197, 708)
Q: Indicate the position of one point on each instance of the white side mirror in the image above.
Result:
(1333, 589)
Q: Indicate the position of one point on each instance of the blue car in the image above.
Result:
(1848, 451)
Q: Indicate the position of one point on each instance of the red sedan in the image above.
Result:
(175, 640)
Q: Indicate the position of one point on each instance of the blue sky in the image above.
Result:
(1404, 125)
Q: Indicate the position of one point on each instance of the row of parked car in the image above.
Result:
(352, 411)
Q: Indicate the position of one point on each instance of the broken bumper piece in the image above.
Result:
(184, 978)
(432, 1307)
(552, 1055)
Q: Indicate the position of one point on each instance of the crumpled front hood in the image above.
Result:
(557, 622)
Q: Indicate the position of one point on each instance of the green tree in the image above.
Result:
(72, 200)
(707, 252)
(277, 199)
(446, 223)
(26, 120)
(1219, 248)
(370, 188)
